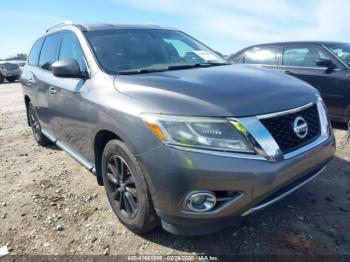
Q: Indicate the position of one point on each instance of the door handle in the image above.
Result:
(287, 72)
(52, 90)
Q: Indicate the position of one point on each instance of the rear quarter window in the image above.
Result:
(35, 51)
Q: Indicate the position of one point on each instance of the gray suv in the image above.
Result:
(175, 134)
(9, 71)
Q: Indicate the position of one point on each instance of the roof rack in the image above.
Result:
(150, 23)
(61, 23)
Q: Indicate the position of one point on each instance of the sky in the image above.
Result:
(225, 25)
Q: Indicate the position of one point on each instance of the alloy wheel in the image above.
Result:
(122, 187)
(34, 123)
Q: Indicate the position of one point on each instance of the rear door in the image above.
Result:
(45, 81)
(263, 56)
(300, 60)
(29, 78)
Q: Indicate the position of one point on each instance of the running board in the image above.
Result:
(82, 160)
(49, 135)
(76, 156)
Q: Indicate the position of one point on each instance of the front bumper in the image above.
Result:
(173, 173)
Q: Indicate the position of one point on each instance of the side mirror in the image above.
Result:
(68, 68)
(325, 63)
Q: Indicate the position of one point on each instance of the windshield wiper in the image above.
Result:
(140, 71)
(171, 67)
(185, 66)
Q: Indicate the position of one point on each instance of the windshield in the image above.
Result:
(148, 50)
(342, 51)
(9, 66)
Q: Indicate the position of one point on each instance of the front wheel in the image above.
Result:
(11, 79)
(126, 188)
(1, 78)
(34, 122)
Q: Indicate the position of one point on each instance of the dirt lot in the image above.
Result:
(49, 204)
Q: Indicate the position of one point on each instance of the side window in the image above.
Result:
(261, 55)
(35, 51)
(303, 56)
(70, 48)
(49, 51)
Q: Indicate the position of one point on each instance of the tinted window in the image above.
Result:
(261, 55)
(133, 50)
(49, 51)
(342, 51)
(34, 53)
(70, 48)
(303, 56)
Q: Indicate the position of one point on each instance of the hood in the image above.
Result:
(233, 90)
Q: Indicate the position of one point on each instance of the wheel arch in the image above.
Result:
(101, 138)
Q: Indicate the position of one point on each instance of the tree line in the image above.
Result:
(21, 56)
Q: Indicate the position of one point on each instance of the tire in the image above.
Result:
(126, 188)
(347, 116)
(11, 79)
(34, 122)
(1, 78)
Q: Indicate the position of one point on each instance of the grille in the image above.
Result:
(281, 128)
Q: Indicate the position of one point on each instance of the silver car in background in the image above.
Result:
(9, 71)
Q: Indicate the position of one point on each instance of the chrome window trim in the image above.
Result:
(308, 67)
(260, 65)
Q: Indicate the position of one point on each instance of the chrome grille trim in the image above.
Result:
(264, 144)
(325, 133)
(286, 112)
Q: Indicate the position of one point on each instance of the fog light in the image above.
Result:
(201, 201)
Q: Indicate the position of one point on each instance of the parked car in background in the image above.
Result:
(324, 65)
(170, 128)
(9, 71)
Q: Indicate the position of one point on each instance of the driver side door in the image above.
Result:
(69, 120)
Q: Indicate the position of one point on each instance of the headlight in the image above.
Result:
(199, 132)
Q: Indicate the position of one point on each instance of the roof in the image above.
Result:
(102, 26)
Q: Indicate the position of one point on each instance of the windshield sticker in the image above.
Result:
(206, 55)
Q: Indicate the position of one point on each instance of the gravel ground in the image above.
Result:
(49, 204)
